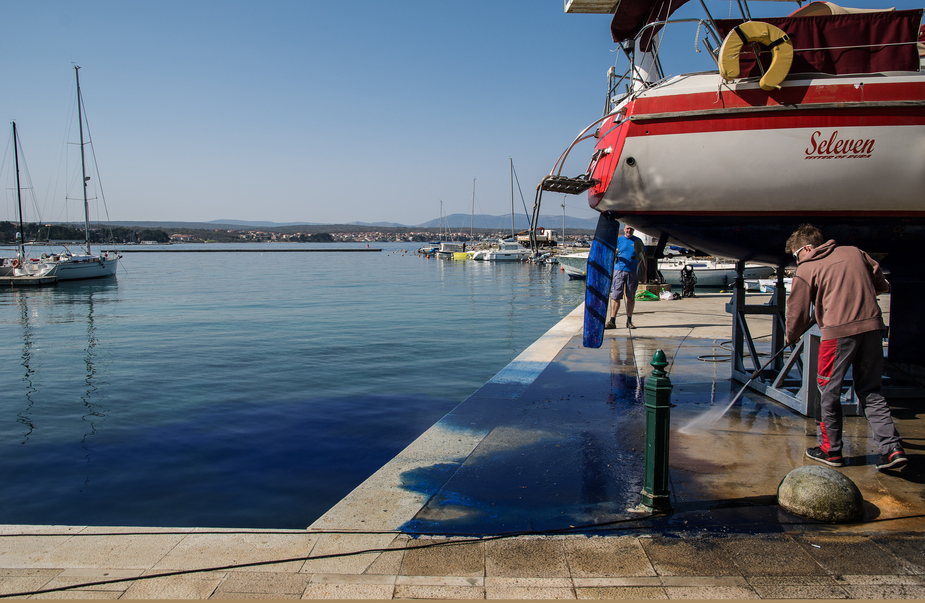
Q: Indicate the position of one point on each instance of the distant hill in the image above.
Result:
(463, 222)
(240, 223)
(453, 222)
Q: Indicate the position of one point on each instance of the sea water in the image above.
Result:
(245, 389)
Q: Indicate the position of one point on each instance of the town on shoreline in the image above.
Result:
(36, 233)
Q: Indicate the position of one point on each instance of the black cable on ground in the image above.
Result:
(483, 538)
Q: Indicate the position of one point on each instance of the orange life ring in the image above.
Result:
(16, 263)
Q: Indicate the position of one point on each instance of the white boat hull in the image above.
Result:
(729, 170)
(574, 265)
(85, 268)
(713, 276)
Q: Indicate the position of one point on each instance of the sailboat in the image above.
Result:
(69, 266)
(19, 265)
(507, 250)
(813, 117)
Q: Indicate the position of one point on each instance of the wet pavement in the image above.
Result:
(531, 489)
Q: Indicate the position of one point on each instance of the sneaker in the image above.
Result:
(629, 324)
(894, 459)
(611, 324)
(816, 454)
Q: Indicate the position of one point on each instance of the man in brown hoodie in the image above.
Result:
(842, 283)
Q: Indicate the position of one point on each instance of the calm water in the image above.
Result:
(245, 389)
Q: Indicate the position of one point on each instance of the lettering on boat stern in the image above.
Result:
(830, 146)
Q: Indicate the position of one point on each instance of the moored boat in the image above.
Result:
(506, 251)
(68, 266)
(709, 272)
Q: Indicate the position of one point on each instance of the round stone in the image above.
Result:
(820, 493)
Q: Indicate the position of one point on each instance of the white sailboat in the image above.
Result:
(85, 265)
(20, 265)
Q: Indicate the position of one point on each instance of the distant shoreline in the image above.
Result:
(143, 249)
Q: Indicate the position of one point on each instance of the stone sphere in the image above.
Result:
(820, 493)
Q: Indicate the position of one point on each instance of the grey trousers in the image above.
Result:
(864, 355)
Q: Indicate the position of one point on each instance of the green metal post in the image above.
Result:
(655, 492)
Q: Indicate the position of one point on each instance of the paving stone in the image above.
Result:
(689, 557)
(595, 582)
(530, 557)
(198, 551)
(906, 547)
(265, 583)
(440, 580)
(348, 591)
(705, 581)
(189, 586)
(622, 592)
(389, 562)
(773, 555)
(335, 553)
(444, 560)
(868, 579)
(526, 592)
(791, 591)
(238, 596)
(886, 591)
(29, 551)
(710, 592)
(793, 581)
(850, 554)
(72, 595)
(11, 585)
(417, 591)
(607, 556)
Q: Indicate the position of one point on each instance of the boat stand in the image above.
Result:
(790, 381)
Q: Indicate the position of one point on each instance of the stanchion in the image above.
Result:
(655, 492)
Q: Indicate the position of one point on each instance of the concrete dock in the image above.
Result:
(530, 489)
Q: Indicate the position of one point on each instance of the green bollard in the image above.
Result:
(655, 493)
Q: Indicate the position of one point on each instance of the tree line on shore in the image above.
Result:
(102, 233)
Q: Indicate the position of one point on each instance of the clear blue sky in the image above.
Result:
(309, 111)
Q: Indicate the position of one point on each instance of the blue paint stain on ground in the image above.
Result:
(568, 451)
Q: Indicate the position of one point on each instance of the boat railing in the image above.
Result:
(635, 78)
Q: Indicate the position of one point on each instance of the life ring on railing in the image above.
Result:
(16, 263)
(764, 33)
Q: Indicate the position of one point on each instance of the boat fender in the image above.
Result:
(764, 33)
(16, 263)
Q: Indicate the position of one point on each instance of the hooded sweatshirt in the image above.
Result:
(842, 283)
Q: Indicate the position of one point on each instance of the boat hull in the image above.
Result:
(90, 268)
(714, 276)
(574, 265)
(732, 172)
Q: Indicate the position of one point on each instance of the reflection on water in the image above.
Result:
(225, 389)
(24, 415)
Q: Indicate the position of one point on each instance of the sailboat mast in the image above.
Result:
(22, 232)
(83, 162)
(512, 196)
(472, 219)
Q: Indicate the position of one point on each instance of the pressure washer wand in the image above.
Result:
(755, 376)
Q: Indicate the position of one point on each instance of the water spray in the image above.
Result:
(712, 417)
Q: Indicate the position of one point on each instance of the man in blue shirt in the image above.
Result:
(630, 252)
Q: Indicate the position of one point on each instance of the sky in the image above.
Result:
(310, 111)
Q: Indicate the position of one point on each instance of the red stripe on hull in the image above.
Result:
(788, 96)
